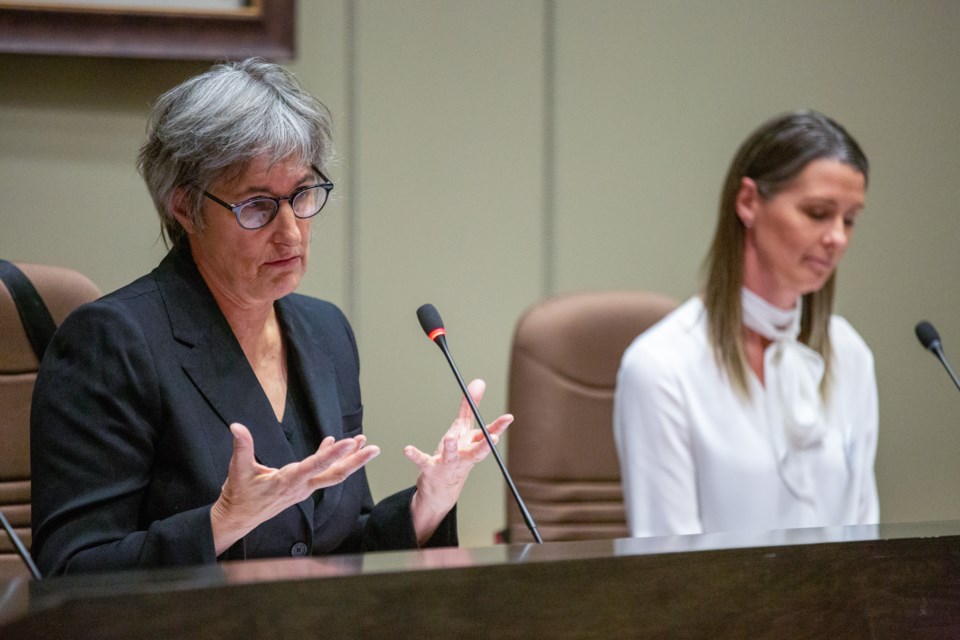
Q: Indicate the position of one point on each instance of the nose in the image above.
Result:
(286, 226)
(837, 235)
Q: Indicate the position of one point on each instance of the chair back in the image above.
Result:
(62, 290)
(560, 449)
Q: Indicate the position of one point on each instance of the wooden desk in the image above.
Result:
(887, 581)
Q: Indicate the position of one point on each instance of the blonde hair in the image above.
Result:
(771, 156)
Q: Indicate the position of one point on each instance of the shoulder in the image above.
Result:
(848, 346)
(130, 305)
(677, 342)
(106, 345)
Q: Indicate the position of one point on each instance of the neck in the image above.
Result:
(258, 332)
(252, 327)
(253, 322)
(765, 285)
(245, 316)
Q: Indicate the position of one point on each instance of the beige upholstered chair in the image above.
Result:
(62, 290)
(560, 449)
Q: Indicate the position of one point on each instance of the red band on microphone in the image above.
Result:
(440, 331)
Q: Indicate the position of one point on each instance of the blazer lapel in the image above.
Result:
(314, 367)
(320, 387)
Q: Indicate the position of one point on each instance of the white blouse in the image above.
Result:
(697, 457)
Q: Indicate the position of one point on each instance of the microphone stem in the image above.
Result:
(946, 365)
(18, 545)
(527, 518)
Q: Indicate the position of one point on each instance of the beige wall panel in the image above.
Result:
(321, 66)
(449, 203)
(654, 97)
(70, 130)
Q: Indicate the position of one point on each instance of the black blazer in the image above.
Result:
(130, 441)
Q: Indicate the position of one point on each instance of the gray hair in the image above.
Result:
(220, 121)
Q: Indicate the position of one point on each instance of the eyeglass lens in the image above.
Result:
(260, 211)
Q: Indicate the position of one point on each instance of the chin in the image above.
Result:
(813, 288)
(286, 286)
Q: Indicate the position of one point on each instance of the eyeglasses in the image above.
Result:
(260, 211)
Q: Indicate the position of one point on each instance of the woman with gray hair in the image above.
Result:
(206, 411)
(752, 407)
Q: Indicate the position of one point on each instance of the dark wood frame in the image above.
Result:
(265, 28)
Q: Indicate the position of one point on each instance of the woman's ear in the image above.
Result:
(180, 208)
(747, 201)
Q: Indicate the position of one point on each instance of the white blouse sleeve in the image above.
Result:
(856, 375)
(869, 506)
(652, 435)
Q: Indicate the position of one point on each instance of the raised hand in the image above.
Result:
(254, 493)
(443, 474)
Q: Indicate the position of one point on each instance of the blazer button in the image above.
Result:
(299, 549)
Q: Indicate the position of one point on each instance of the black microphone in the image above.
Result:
(930, 340)
(19, 546)
(432, 325)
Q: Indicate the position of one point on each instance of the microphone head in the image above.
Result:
(430, 321)
(927, 336)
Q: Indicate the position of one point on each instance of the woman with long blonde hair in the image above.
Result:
(752, 406)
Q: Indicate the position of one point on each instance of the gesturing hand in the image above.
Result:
(443, 474)
(254, 493)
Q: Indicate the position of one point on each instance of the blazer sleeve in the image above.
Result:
(94, 420)
(390, 526)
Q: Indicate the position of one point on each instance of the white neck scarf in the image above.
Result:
(792, 373)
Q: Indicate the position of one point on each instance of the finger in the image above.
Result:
(476, 435)
(241, 436)
(464, 419)
(325, 444)
(417, 457)
(332, 450)
(476, 389)
(495, 429)
(482, 449)
(500, 424)
(451, 453)
(478, 442)
(343, 468)
(328, 453)
(243, 455)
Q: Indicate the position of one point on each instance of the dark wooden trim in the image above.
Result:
(266, 29)
(837, 583)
